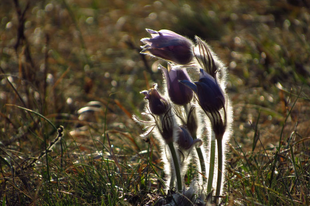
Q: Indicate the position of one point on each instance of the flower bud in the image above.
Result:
(178, 92)
(185, 140)
(204, 57)
(192, 121)
(157, 104)
(169, 46)
(210, 95)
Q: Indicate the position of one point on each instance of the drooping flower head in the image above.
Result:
(208, 91)
(185, 140)
(168, 45)
(157, 104)
(162, 110)
(178, 92)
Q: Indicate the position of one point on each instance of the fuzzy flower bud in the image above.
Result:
(158, 105)
(204, 56)
(185, 140)
(192, 122)
(168, 45)
(178, 92)
(208, 91)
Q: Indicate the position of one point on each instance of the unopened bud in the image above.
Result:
(178, 92)
(208, 91)
(157, 104)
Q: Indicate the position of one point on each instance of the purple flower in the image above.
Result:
(178, 92)
(168, 45)
(185, 140)
(210, 95)
(157, 104)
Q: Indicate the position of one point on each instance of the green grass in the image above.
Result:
(73, 52)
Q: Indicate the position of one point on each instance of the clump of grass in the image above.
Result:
(274, 175)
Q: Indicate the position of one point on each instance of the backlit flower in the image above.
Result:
(185, 140)
(157, 104)
(178, 92)
(210, 95)
(168, 45)
(204, 56)
(192, 121)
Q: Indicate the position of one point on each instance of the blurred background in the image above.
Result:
(59, 55)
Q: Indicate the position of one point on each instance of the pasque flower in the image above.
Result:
(161, 112)
(192, 121)
(168, 45)
(175, 120)
(185, 140)
(210, 95)
(204, 56)
(157, 104)
(178, 92)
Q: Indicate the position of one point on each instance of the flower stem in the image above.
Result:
(172, 179)
(220, 168)
(198, 149)
(201, 161)
(176, 166)
(212, 161)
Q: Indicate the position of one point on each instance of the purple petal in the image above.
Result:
(189, 84)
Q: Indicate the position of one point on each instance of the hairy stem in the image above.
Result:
(176, 166)
(220, 168)
(172, 178)
(212, 162)
(201, 161)
(198, 149)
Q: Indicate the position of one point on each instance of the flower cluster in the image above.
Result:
(185, 109)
